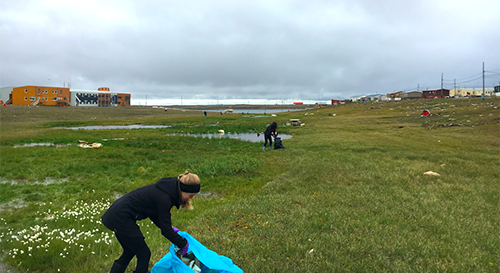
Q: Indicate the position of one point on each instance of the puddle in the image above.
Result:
(257, 111)
(47, 181)
(14, 204)
(41, 144)
(252, 137)
(114, 127)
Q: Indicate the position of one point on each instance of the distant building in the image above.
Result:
(464, 92)
(339, 102)
(5, 94)
(62, 96)
(122, 99)
(357, 98)
(40, 95)
(394, 96)
(298, 103)
(496, 90)
(411, 95)
(438, 93)
(376, 97)
(319, 105)
(90, 98)
(100, 98)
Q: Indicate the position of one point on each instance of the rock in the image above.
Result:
(431, 173)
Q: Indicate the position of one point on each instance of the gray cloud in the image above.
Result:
(249, 50)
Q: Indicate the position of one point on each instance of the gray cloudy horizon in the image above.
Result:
(220, 49)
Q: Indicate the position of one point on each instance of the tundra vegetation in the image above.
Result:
(348, 194)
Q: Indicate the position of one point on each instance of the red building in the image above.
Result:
(339, 102)
(438, 93)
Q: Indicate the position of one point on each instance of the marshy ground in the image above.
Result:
(348, 194)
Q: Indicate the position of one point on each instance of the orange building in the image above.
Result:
(40, 95)
(122, 99)
(395, 95)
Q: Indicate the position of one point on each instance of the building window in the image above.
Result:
(54, 98)
(25, 90)
(32, 98)
(25, 98)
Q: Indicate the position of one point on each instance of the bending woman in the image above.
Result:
(154, 202)
(268, 133)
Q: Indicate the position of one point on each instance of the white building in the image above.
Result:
(376, 97)
(92, 98)
(476, 92)
(357, 98)
(5, 93)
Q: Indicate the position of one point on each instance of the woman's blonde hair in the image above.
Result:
(188, 179)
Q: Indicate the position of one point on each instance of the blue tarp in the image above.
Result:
(170, 263)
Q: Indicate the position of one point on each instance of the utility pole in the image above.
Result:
(483, 79)
(441, 84)
(455, 85)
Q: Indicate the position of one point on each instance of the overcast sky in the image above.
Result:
(269, 49)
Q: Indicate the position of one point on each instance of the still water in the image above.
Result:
(252, 137)
(114, 127)
(40, 144)
(258, 111)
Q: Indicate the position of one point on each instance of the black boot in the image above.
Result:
(118, 268)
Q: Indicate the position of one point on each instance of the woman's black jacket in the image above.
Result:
(152, 201)
(271, 129)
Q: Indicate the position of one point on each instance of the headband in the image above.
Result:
(189, 188)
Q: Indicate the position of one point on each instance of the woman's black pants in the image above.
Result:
(268, 138)
(134, 246)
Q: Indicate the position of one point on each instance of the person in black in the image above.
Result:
(268, 134)
(154, 202)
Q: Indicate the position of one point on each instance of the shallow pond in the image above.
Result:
(41, 144)
(114, 127)
(257, 111)
(47, 181)
(252, 137)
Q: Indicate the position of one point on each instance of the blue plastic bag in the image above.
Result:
(170, 263)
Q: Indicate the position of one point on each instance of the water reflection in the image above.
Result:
(252, 137)
(41, 144)
(258, 111)
(47, 181)
(114, 127)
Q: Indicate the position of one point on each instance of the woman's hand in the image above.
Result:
(184, 250)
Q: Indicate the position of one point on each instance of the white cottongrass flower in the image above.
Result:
(39, 237)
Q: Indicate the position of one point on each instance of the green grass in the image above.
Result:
(348, 194)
